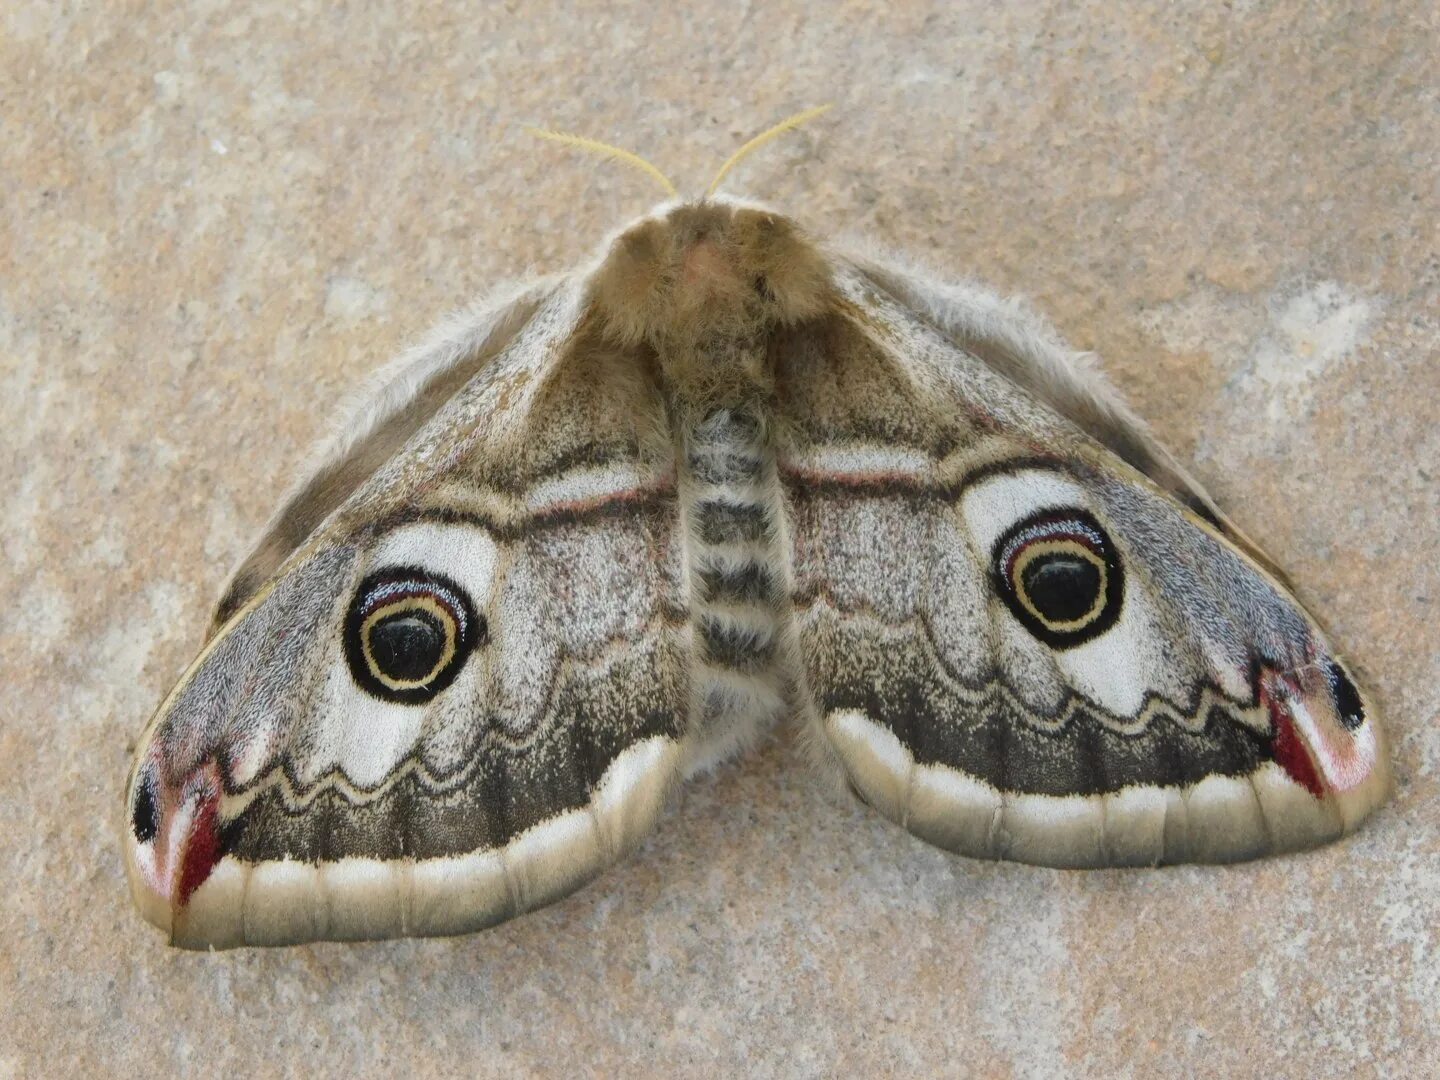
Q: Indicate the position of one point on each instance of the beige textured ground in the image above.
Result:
(212, 222)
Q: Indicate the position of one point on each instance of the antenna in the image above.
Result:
(594, 146)
(763, 138)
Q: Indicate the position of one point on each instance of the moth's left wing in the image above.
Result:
(1027, 634)
(452, 683)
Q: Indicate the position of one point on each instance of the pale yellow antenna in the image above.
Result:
(594, 146)
(763, 138)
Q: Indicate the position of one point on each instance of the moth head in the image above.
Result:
(709, 268)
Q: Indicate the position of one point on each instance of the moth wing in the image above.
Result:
(1015, 343)
(462, 693)
(1026, 634)
(394, 404)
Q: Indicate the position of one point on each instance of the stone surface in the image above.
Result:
(214, 219)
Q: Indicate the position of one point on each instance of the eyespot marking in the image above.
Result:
(1060, 576)
(408, 634)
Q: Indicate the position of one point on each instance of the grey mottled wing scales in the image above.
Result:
(1199, 716)
(301, 784)
(605, 534)
(402, 397)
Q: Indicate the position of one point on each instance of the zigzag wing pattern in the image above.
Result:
(1018, 645)
(308, 780)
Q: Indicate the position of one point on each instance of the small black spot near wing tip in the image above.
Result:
(1346, 695)
(230, 833)
(144, 815)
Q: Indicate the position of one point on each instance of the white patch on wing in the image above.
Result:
(583, 486)
(1135, 826)
(365, 737)
(1119, 667)
(465, 554)
(459, 894)
(363, 897)
(1052, 830)
(1346, 759)
(253, 751)
(1293, 817)
(1231, 678)
(992, 505)
(550, 859)
(954, 811)
(362, 735)
(630, 793)
(859, 461)
(1225, 820)
(878, 762)
(149, 893)
(215, 914)
(283, 902)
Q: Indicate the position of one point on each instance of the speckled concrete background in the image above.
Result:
(216, 218)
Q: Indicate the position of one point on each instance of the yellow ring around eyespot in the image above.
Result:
(1060, 547)
(410, 603)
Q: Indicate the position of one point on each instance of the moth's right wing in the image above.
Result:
(453, 685)
(1025, 634)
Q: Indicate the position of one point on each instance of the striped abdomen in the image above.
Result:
(738, 582)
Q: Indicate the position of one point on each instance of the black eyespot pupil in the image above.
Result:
(408, 634)
(1063, 588)
(408, 646)
(1060, 576)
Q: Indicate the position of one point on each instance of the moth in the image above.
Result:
(596, 537)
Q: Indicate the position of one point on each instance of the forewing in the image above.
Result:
(460, 697)
(1018, 643)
